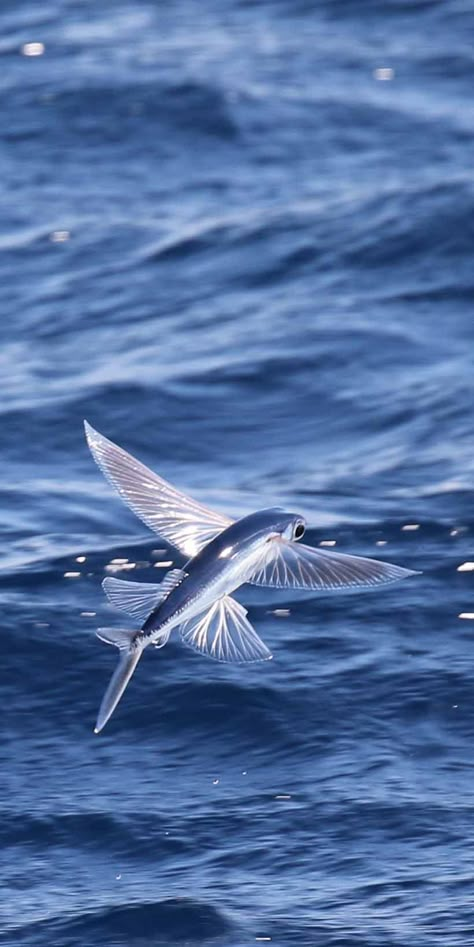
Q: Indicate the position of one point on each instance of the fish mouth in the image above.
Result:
(273, 536)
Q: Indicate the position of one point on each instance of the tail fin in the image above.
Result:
(130, 653)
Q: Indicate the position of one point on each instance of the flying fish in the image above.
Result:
(222, 554)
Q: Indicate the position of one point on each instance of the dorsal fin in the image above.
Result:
(172, 578)
(139, 599)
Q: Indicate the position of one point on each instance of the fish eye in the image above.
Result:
(299, 530)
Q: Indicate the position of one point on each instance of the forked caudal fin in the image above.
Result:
(130, 653)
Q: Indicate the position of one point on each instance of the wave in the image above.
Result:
(172, 920)
(113, 115)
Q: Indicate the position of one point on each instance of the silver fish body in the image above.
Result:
(223, 565)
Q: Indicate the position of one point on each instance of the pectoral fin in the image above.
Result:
(176, 517)
(225, 634)
(289, 565)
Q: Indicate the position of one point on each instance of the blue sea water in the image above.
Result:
(238, 238)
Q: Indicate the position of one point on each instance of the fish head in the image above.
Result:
(247, 535)
(289, 526)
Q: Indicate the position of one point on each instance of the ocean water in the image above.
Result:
(238, 239)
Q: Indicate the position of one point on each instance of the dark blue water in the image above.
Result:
(244, 253)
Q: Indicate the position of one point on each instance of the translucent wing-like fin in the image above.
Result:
(139, 599)
(289, 565)
(177, 518)
(136, 598)
(224, 633)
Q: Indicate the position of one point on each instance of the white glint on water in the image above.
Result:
(384, 74)
(59, 236)
(32, 49)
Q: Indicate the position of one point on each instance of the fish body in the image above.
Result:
(218, 569)
(221, 555)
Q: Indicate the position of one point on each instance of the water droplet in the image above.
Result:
(32, 49)
(384, 74)
(59, 236)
